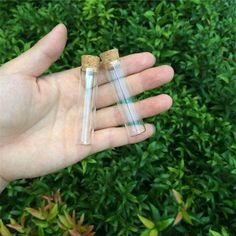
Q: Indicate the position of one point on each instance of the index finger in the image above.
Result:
(131, 64)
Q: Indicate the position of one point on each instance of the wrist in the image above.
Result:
(3, 184)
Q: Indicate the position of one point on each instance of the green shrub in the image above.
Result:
(194, 148)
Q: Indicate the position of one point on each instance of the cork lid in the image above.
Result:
(109, 56)
(89, 61)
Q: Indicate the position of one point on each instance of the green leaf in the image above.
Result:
(224, 77)
(163, 224)
(84, 166)
(153, 232)
(65, 222)
(148, 223)
(40, 232)
(36, 213)
(186, 217)
(69, 218)
(224, 232)
(3, 230)
(13, 221)
(53, 212)
(196, 1)
(92, 161)
(41, 223)
(149, 14)
(188, 203)
(155, 212)
(182, 164)
(145, 232)
(169, 53)
(214, 233)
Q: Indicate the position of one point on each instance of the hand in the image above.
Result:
(39, 114)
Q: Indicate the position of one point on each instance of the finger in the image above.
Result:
(131, 64)
(111, 116)
(115, 137)
(137, 83)
(38, 58)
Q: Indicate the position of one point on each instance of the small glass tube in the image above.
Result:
(88, 87)
(132, 120)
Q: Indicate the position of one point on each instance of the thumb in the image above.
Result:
(38, 58)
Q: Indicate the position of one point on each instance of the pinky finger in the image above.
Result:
(116, 137)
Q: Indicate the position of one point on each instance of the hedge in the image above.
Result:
(193, 152)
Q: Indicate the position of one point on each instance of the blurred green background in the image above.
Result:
(194, 148)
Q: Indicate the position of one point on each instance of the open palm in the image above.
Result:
(39, 115)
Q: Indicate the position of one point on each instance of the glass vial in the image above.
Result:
(88, 85)
(132, 120)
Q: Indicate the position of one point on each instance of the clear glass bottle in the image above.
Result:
(88, 85)
(132, 120)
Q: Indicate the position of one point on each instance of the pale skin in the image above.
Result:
(39, 124)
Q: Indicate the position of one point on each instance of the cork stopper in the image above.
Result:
(89, 61)
(109, 56)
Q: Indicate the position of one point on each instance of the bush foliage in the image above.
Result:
(194, 148)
